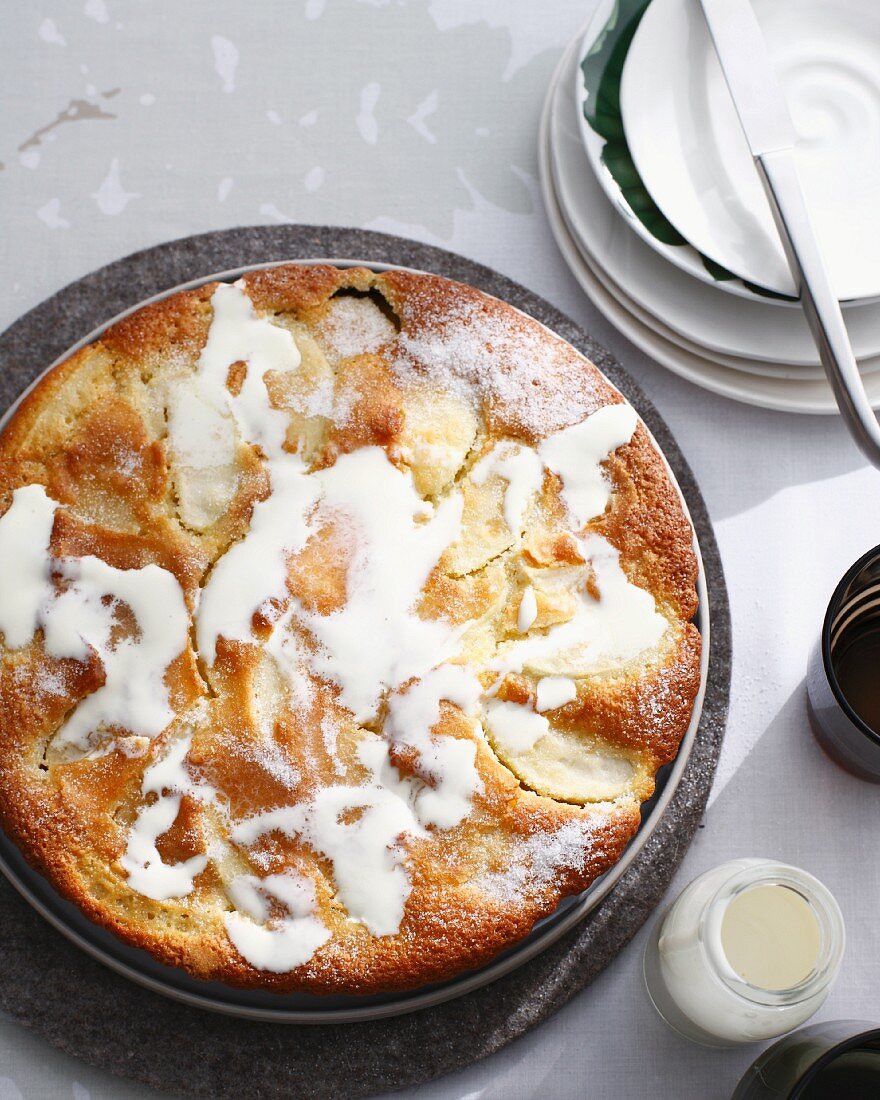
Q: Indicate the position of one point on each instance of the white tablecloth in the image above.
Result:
(127, 123)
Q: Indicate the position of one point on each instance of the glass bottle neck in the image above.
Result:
(827, 917)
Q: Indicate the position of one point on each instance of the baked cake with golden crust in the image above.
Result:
(345, 623)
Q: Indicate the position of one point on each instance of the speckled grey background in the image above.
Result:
(45, 982)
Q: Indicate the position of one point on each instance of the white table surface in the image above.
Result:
(420, 118)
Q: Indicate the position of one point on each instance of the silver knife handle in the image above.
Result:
(780, 178)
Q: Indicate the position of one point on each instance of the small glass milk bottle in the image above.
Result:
(748, 951)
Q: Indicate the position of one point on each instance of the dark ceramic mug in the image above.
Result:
(841, 731)
(832, 1061)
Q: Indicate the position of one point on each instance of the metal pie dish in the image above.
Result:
(304, 1008)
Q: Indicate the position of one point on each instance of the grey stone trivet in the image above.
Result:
(87, 1010)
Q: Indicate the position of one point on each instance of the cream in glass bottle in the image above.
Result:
(748, 951)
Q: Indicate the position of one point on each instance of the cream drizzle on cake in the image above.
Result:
(528, 610)
(269, 941)
(75, 601)
(554, 692)
(515, 727)
(617, 627)
(448, 762)
(361, 830)
(148, 873)
(253, 571)
(364, 829)
(25, 531)
(398, 539)
(576, 454)
(523, 471)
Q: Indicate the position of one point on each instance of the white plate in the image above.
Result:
(689, 149)
(767, 392)
(603, 49)
(790, 371)
(719, 323)
(772, 370)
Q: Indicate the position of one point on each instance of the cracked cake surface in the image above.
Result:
(345, 620)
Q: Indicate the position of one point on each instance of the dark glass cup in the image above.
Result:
(839, 1060)
(843, 676)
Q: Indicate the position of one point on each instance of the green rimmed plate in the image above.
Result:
(597, 75)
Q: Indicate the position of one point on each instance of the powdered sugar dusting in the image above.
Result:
(330, 736)
(518, 368)
(535, 862)
(45, 681)
(272, 758)
(355, 326)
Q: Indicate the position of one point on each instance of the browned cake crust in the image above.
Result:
(94, 433)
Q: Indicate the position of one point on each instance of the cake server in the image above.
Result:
(763, 115)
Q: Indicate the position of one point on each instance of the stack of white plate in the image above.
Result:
(659, 213)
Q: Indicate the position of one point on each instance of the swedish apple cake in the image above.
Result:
(345, 621)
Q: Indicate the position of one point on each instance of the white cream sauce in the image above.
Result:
(514, 727)
(79, 616)
(147, 872)
(253, 570)
(377, 641)
(362, 831)
(141, 860)
(134, 696)
(528, 610)
(447, 761)
(576, 454)
(523, 471)
(25, 531)
(554, 692)
(272, 943)
(398, 537)
(612, 630)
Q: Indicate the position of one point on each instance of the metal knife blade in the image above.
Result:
(748, 70)
(764, 117)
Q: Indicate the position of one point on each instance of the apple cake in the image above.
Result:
(345, 622)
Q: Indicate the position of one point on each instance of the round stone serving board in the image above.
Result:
(48, 984)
